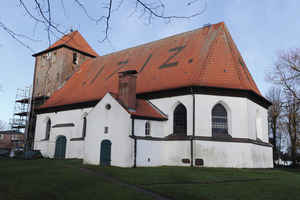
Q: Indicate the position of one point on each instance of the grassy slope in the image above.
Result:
(46, 179)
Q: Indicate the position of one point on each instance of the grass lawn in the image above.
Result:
(49, 179)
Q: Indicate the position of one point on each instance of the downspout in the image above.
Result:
(135, 143)
(192, 138)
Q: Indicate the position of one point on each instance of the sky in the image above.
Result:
(260, 29)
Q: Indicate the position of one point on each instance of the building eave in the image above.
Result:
(61, 46)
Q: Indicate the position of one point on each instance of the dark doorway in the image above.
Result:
(105, 152)
(60, 147)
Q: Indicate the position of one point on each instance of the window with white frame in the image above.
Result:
(14, 137)
(147, 129)
(1, 136)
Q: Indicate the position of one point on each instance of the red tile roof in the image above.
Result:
(73, 40)
(144, 109)
(206, 57)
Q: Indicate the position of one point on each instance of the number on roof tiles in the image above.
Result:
(145, 63)
(97, 74)
(173, 64)
(122, 63)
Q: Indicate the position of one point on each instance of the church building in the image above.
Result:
(185, 100)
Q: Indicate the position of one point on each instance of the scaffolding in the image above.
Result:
(21, 115)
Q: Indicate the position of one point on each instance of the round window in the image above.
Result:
(108, 106)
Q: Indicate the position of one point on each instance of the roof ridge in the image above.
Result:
(211, 49)
(233, 48)
(232, 53)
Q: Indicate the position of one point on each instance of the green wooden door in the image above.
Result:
(60, 147)
(105, 152)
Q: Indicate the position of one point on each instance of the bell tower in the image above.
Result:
(52, 68)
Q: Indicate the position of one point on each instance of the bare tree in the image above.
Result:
(4, 126)
(274, 119)
(286, 72)
(42, 14)
(292, 114)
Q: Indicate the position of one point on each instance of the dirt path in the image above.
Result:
(117, 181)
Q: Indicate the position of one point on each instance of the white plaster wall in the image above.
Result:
(168, 105)
(236, 115)
(236, 109)
(157, 128)
(150, 153)
(224, 154)
(118, 122)
(176, 151)
(233, 155)
(262, 157)
(74, 149)
(252, 108)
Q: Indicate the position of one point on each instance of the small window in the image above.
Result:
(14, 137)
(180, 119)
(57, 77)
(53, 57)
(108, 106)
(106, 129)
(48, 127)
(75, 58)
(147, 129)
(1, 136)
(219, 120)
(84, 128)
(37, 81)
(43, 60)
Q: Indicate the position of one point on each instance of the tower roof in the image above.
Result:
(73, 40)
(202, 58)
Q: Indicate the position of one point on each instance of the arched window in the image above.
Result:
(219, 120)
(147, 129)
(75, 58)
(84, 128)
(180, 119)
(48, 127)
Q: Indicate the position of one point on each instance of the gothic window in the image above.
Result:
(219, 120)
(180, 119)
(48, 127)
(84, 128)
(147, 129)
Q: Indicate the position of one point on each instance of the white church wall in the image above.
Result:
(74, 149)
(150, 153)
(236, 109)
(236, 115)
(233, 154)
(224, 154)
(168, 105)
(118, 122)
(262, 157)
(176, 151)
(258, 128)
(157, 128)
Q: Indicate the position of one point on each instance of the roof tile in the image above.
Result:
(202, 57)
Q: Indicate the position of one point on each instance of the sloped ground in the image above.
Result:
(69, 179)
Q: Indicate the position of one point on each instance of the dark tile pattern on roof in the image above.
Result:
(206, 57)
